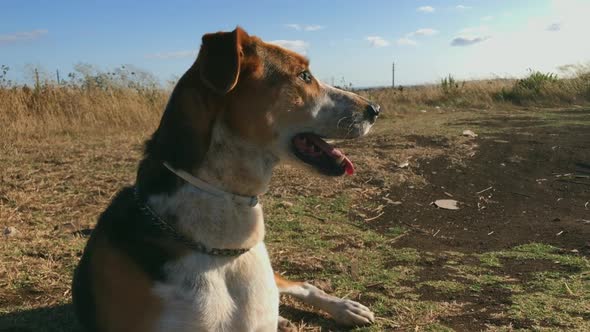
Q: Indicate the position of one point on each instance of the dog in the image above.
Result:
(182, 250)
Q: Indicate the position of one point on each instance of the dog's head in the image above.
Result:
(267, 96)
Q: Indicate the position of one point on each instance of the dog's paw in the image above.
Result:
(285, 325)
(351, 313)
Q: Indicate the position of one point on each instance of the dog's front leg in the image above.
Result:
(345, 312)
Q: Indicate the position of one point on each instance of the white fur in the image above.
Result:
(346, 312)
(213, 293)
(208, 293)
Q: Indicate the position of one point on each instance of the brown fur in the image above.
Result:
(122, 292)
(283, 283)
(123, 258)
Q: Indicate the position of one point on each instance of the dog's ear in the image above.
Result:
(184, 134)
(220, 58)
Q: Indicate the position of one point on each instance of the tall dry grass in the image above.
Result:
(91, 100)
(88, 100)
(62, 109)
(537, 89)
(478, 94)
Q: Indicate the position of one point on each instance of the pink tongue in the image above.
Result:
(348, 166)
(333, 152)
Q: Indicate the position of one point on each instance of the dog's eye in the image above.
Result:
(305, 76)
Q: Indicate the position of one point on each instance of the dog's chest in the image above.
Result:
(206, 293)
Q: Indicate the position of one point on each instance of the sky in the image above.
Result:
(346, 41)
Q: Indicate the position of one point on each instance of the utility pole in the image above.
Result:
(393, 75)
(37, 82)
(57, 74)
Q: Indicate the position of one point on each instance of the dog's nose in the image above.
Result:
(373, 111)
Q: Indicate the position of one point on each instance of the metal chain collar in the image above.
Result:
(166, 227)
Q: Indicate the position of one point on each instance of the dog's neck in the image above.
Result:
(234, 165)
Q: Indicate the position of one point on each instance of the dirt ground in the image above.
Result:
(513, 257)
(529, 182)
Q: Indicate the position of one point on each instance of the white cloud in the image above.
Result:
(408, 39)
(423, 32)
(462, 7)
(471, 36)
(377, 41)
(298, 46)
(313, 27)
(487, 18)
(293, 26)
(21, 36)
(406, 42)
(468, 40)
(426, 9)
(554, 27)
(173, 55)
(300, 27)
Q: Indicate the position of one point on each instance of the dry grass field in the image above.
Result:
(513, 258)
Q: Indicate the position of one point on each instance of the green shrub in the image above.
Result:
(536, 81)
(536, 87)
(4, 81)
(450, 86)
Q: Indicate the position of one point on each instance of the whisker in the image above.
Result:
(341, 119)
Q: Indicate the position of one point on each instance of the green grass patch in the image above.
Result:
(535, 251)
(404, 255)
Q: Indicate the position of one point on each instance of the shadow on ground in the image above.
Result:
(49, 319)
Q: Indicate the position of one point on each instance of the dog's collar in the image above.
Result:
(204, 186)
(166, 227)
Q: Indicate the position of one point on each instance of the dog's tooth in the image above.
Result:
(340, 160)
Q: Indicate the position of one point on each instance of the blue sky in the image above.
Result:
(355, 40)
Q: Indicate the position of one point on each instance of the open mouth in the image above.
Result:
(313, 150)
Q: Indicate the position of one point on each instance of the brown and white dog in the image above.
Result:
(183, 249)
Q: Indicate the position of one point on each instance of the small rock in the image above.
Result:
(516, 159)
(286, 204)
(469, 133)
(10, 231)
(404, 164)
(447, 204)
(392, 202)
